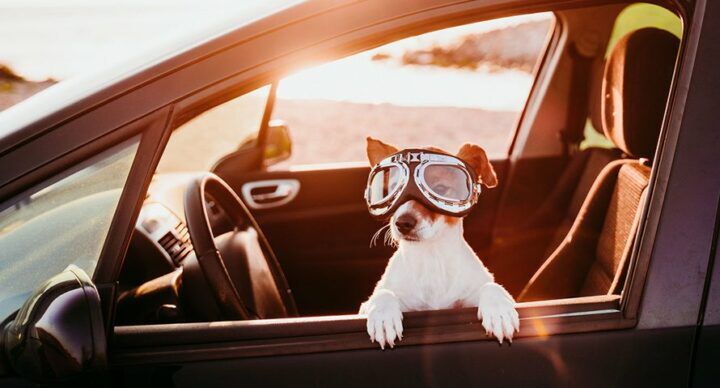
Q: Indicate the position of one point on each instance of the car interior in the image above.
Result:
(561, 224)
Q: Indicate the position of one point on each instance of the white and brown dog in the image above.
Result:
(434, 267)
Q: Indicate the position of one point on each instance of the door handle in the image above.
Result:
(270, 193)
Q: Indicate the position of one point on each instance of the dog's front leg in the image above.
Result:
(496, 309)
(384, 317)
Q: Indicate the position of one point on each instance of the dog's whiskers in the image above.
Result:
(389, 240)
(374, 239)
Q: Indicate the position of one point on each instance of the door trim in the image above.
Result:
(185, 342)
(285, 191)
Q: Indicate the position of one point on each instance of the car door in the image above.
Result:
(642, 337)
(65, 218)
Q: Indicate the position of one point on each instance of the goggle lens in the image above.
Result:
(385, 182)
(448, 182)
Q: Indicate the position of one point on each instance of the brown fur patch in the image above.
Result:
(452, 220)
(476, 157)
(377, 150)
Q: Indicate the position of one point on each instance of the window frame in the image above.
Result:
(163, 343)
(185, 342)
(231, 339)
(72, 148)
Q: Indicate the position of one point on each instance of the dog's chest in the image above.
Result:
(435, 283)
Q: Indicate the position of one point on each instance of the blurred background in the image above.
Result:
(471, 78)
(468, 83)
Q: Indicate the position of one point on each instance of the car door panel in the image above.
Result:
(611, 358)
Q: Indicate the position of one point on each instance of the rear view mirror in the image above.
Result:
(278, 144)
(58, 333)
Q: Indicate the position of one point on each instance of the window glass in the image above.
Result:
(443, 88)
(64, 223)
(202, 141)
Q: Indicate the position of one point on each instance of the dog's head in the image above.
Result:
(414, 222)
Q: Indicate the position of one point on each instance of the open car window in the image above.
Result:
(440, 88)
(322, 132)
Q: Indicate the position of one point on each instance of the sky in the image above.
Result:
(59, 39)
(379, 82)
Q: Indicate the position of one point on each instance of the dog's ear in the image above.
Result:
(377, 150)
(476, 157)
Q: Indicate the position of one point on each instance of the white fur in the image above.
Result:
(439, 271)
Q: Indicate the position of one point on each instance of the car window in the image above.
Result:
(202, 141)
(61, 224)
(442, 88)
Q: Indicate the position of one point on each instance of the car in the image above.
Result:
(117, 269)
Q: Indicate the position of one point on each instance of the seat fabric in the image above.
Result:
(590, 259)
(618, 227)
(547, 228)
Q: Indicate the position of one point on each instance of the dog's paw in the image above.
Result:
(496, 309)
(384, 319)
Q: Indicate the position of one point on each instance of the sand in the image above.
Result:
(331, 131)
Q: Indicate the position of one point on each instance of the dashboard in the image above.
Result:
(169, 233)
(151, 284)
(160, 281)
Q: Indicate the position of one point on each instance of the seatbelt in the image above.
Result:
(573, 132)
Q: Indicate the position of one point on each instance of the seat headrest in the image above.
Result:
(635, 89)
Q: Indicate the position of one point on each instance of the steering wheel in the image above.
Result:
(239, 266)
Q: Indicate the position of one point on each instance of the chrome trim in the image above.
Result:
(285, 191)
(388, 202)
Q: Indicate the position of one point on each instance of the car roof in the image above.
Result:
(75, 95)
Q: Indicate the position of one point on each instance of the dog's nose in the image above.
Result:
(405, 223)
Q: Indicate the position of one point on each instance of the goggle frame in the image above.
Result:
(416, 161)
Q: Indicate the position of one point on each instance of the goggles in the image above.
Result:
(439, 181)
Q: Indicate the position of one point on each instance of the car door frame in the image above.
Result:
(142, 94)
(162, 344)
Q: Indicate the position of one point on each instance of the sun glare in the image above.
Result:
(379, 77)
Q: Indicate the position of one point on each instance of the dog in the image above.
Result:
(433, 266)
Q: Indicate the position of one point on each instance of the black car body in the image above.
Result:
(663, 330)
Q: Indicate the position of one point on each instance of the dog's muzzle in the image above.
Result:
(441, 182)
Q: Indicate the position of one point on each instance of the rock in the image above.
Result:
(516, 47)
(14, 88)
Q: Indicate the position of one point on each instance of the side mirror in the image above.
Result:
(278, 144)
(58, 333)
